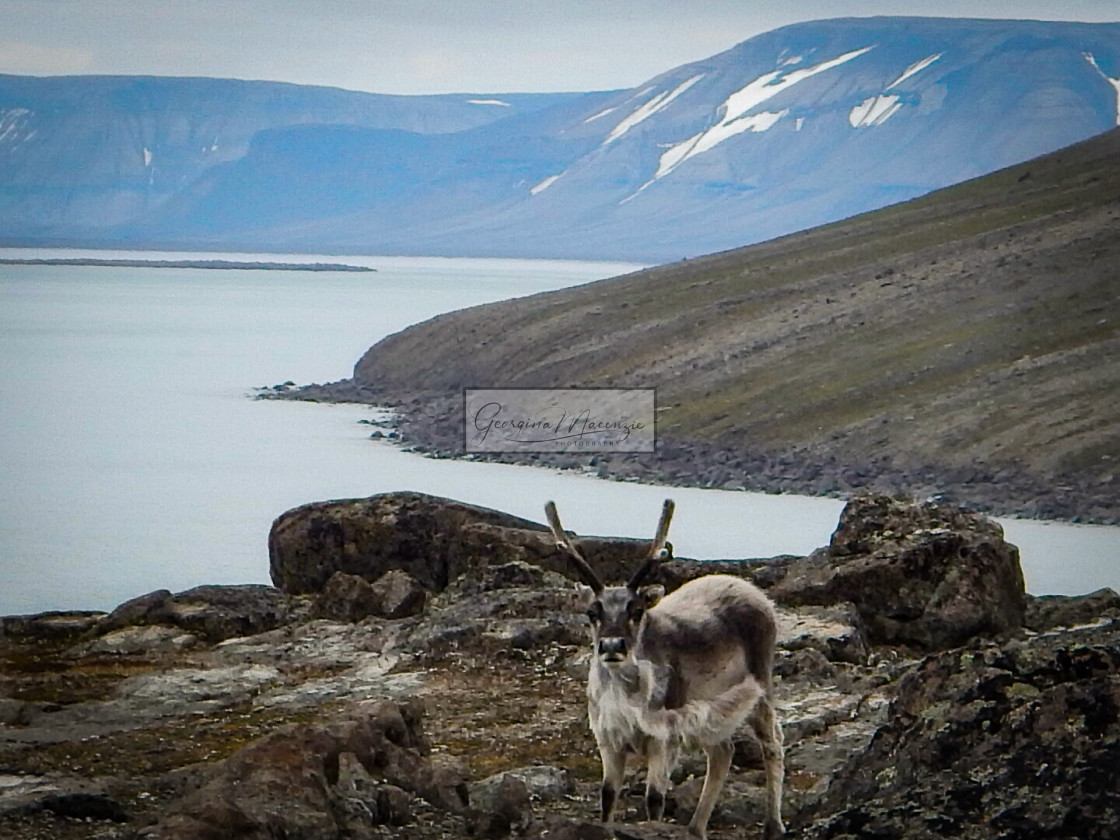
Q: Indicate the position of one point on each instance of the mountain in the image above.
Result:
(966, 342)
(81, 155)
(794, 128)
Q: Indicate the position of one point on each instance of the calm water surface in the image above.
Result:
(132, 459)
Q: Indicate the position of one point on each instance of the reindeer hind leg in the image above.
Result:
(769, 732)
(719, 762)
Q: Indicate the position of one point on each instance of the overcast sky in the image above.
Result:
(432, 46)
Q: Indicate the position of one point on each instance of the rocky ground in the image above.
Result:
(419, 671)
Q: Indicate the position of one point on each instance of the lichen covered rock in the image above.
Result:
(1020, 741)
(929, 575)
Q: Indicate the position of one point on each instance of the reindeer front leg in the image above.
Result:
(661, 758)
(614, 771)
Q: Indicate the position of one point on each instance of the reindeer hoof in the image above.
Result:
(773, 830)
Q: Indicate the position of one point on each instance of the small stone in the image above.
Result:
(394, 805)
(399, 595)
(347, 598)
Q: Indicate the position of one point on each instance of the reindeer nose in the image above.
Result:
(611, 647)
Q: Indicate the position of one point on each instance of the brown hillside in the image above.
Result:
(968, 341)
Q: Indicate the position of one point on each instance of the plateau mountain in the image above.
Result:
(793, 128)
(80, 156)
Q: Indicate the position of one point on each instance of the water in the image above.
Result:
(132, 460)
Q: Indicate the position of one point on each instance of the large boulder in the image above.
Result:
(1020, 741)
(928, 575)
(434, 540)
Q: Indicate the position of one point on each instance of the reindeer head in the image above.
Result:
(616, 612)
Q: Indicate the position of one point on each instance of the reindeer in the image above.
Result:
(680, 672)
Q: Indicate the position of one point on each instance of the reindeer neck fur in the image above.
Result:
(618, 704)
(621, 697)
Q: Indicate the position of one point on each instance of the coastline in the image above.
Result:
(429, 424)
(209, 264)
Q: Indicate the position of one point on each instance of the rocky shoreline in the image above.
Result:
(418, 670)
(432, 425)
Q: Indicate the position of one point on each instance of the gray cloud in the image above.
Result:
(430, 46)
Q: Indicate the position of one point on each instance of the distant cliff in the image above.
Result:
(80, 155)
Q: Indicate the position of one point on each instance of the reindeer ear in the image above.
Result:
(652, 594)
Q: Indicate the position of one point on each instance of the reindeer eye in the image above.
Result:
(636, 611)
(595, 612)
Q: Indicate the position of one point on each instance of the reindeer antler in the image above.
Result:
(658, 549)
(565, 542)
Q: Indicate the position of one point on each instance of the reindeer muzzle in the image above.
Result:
(612, 649)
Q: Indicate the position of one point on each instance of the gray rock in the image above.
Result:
(1047, 612)
(210, 612)
(740, 805)
(184, 690)
(804, 664)
(398, 594)
(394, 805)
(67, 796)
(836, 631)
(49, 625)
(13, 712)
(568, 829)
(151, 639)
(930, 575)
(346, 598)
(501, 805)
(544, 781)
(371, 802)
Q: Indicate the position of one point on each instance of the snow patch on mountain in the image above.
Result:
(545, 184)
(489, 102)
(916, 67)
(648, 109)
(874, 111)
(1114, 82)
(707, 140)
(600, 115)
(12, 122)
(735, 118)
